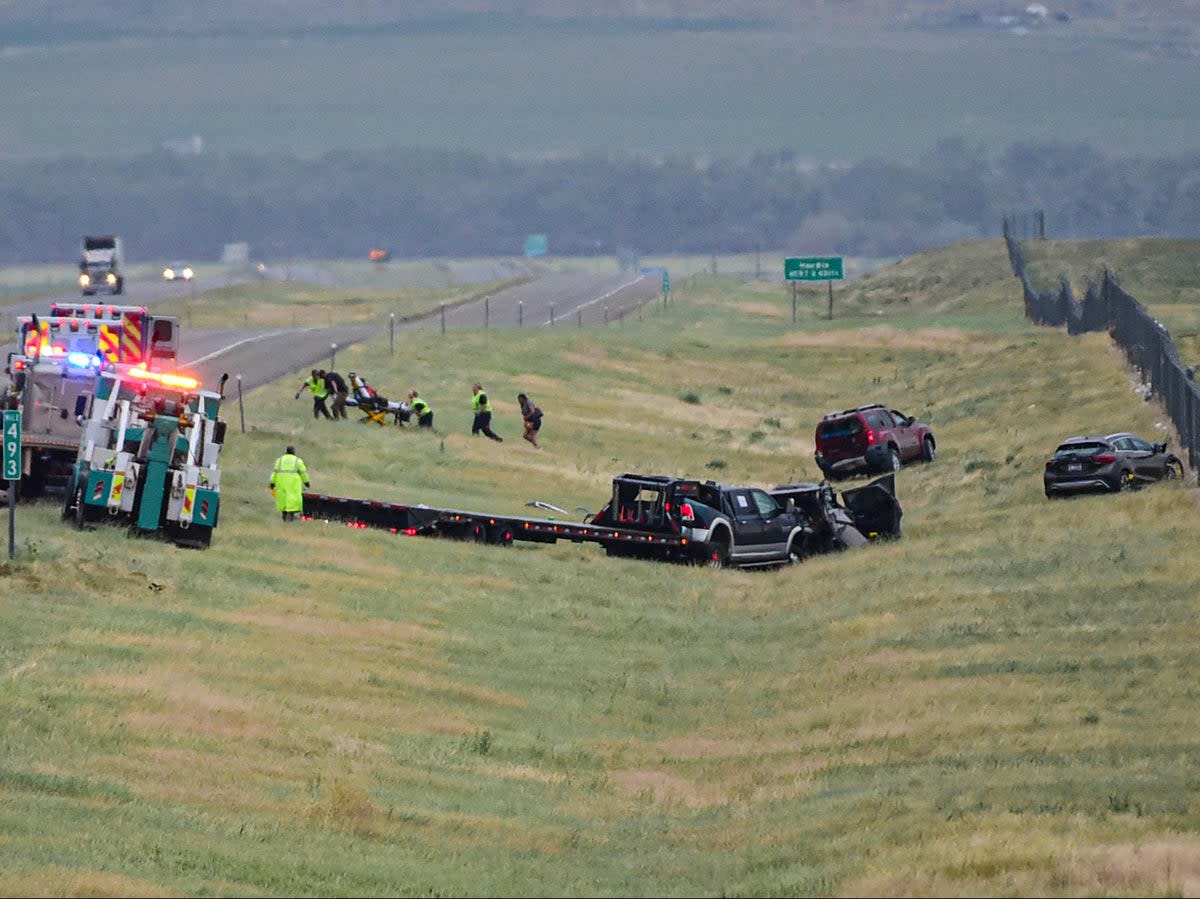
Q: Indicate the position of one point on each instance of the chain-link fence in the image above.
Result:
(1147, 344)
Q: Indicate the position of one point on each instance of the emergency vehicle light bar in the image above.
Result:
(83, 360)
(164, 378)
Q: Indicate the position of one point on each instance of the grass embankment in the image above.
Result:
(1164, 276)
(1002, 702)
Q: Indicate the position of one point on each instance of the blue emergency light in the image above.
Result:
(83, 360)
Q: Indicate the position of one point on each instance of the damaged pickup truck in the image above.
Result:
(744, 527)
(664, 518)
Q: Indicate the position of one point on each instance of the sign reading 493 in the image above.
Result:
(11, 462)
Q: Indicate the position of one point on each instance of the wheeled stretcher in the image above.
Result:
(375, 408)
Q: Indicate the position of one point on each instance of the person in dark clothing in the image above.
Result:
(336, 385)
(532, 416)
(481, 407)
(315, 383)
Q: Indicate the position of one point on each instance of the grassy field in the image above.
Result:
(509, 86)
(1001, 703)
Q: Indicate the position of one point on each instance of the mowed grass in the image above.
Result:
(1000, 703)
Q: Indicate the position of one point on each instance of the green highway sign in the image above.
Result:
(666, 281)
(537, 245)
(812, 268)
(10, 464)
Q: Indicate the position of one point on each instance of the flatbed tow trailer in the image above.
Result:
(483, 527)
(662, 518)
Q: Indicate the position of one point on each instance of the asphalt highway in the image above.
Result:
(254, 358)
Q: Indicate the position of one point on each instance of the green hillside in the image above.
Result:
(1000, 703)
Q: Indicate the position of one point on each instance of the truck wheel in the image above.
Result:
(928, 449)
(79, 517)
(797, 551)
(718, 553)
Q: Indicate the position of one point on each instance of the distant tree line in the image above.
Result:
(427, 203)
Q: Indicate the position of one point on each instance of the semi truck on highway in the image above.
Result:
(101, 265)
(55, 371)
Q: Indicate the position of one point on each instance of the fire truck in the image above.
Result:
(56, 368)
(148, 456)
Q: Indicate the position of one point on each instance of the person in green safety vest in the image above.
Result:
(289, 478)
(481, 408)
(421, 409)
(316, 384)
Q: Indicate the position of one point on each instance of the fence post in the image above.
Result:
(241, 407)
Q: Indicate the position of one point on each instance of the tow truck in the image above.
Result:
(662, 518)
(57, 365)
(148, 456)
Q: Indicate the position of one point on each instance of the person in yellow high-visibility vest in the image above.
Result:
(481, 409)
(316, 385)
(422, 410)
(289, 478)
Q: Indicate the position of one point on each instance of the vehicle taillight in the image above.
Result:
(1104, 459)
(871, 435)
(686, 513)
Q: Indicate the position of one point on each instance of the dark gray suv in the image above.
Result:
(1109, 464)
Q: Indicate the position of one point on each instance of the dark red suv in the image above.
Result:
(869, 439)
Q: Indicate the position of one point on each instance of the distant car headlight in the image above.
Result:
(187, 273)
(110, 279)
(84, 280)
(168, 274)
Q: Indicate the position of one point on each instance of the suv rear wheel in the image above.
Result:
(893, 459)
(928, 450)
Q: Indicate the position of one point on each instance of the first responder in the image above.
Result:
(336, 385)
(319, 389)
(421, 409)
(289, 478)
(481, 408)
